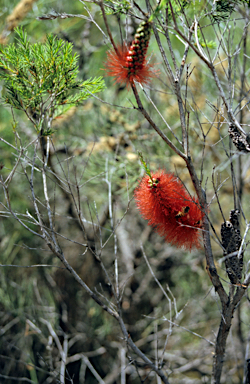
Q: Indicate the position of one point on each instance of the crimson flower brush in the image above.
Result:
(164, 202)
(128, 63)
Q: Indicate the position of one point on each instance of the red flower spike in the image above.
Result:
(167, 206)
(129, 64)
(154, 198)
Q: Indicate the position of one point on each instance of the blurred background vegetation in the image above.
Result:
(97, 142)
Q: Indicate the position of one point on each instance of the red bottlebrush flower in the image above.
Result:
(154, 199)
(128, 64)
(167, 206)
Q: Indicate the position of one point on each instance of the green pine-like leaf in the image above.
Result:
(224, 8)
(41, 77)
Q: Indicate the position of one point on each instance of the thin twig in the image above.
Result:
(156, 128)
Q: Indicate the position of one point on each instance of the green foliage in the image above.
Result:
(41, 79)
(224, 8)
(177, 8)
(113, 7)
(144, 164)
(208, 44)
